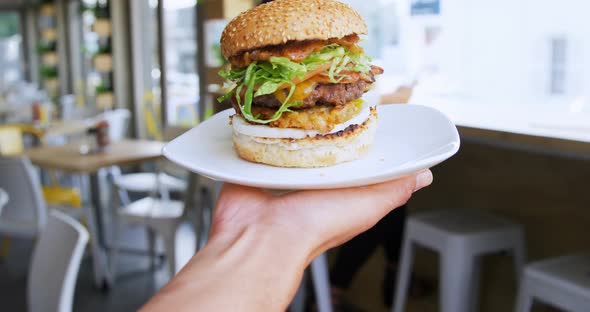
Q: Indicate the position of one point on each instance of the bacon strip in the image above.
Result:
(295, 51)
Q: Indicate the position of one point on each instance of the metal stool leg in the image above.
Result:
(321, 283)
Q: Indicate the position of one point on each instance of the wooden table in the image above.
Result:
(60, 128)
(68, 158)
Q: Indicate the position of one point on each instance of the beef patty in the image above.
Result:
(326, 93)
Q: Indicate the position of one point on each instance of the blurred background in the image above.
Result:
(514, 76)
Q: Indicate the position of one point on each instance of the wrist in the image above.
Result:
(266, 265)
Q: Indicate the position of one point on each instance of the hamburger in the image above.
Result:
(297, 75)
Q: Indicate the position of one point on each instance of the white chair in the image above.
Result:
(461, 238)
(160, 215)
(145, 182)
(168, 177)
(3, 199)
(563, 282)
(25, 214)
(55, 264)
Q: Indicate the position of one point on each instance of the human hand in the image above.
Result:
(260, 243)
(313, 220)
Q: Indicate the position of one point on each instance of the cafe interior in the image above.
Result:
(93, 217)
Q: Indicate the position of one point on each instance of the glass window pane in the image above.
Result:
(11, 59)
(527, 62)
(89, 49)
(182, 81)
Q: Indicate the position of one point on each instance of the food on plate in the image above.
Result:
(297, 79)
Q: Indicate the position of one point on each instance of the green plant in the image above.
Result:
(49, 72)
(45, 47)
(101, 11)
(102, 88)
(104, 49)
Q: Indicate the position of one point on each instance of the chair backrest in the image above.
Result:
(118, 120)
(25, 214)
(55, 265)
(3, 199)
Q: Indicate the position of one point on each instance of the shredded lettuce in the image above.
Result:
(266, 77)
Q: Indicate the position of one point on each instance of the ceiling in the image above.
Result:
(11, 4)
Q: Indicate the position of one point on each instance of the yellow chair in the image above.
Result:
(57, 195)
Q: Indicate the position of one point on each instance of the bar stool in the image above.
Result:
(563, 282)
(321, 285)
(460, 237)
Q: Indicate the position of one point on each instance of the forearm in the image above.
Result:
(250, 271)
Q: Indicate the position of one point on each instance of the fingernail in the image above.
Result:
(423, 179)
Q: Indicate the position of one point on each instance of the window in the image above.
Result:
(505, 61)
(180, 44)
(147, 71)
(558, 65)
(92, 79)
(11, 54)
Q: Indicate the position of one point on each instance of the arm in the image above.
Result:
(260, 243)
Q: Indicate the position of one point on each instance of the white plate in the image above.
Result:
(409, 138)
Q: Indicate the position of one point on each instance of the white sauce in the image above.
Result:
(241, 126)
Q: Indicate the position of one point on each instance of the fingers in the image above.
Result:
(338, 215)
(423, 179)
(387, 195)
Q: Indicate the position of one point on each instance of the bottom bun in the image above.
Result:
(320, 151)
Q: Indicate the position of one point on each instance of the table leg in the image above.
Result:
(95, 227)
(191, 204)
(208, 191)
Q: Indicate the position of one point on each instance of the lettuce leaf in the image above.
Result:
(266, 77)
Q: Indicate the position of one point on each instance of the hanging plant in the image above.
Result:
(46, 47)
(49, 72)
(106, 49)
(103, 88)
(102, 11)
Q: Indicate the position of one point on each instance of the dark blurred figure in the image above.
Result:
(387, 233)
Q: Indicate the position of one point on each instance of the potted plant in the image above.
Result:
(49, 34)
(104, 97)
(47, 8)
(102, 11)
(47, 51)
(103, 60)
(49, 77)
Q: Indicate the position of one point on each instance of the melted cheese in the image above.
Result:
(241, 126)
(356, 49)
(302, 91)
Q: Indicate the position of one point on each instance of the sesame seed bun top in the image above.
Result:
(281, 21)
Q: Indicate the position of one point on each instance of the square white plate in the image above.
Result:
(409, 138)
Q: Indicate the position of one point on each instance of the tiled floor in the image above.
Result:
(135, 284)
